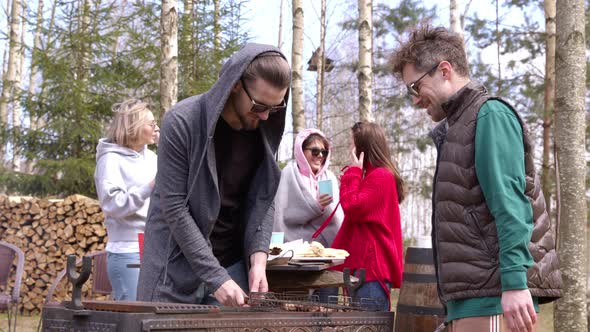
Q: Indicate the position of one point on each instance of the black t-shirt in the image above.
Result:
(238, 154)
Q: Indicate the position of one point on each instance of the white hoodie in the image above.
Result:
(122, 178)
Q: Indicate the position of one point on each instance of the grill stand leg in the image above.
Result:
(350, 287)
(78, 280)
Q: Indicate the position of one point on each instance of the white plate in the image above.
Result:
(315, 259)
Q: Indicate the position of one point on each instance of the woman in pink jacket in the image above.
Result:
(370, 192)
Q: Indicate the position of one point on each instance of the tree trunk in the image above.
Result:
(280, 42)
(4, 57)
(320, 70)
(10, 79)
(365, 74)
(123, 9)
(498, 43)
(456, 21)
(217, 35)
(48, 45)
(84, 45)
(186, 63)
(297, 69)
(169, 51)
(570, 125)
(34, 63)
(17, 109)
(550, 8)
(33, 118)
(189, 7)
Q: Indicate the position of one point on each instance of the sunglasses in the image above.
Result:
(316, 152)
(261, 108)
(414, 88)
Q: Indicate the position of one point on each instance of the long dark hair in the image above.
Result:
(370, 138)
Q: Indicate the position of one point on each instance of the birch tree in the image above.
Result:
(550, 8)
(34, 62)
(280, 41)
(320, 67)
(186, 51)
(456, 21)
(17, 109)
(365, 73)
(169, 54)
(11, 78)
(570, 78)
(216, 34)
(498, 46)
(297, 69)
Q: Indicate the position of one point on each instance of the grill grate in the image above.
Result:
(296, 301)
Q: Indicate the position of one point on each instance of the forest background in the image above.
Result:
(65, 62)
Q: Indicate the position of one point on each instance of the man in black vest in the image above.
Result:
(493, 246)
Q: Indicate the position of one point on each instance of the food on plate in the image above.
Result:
(316, 249)
(275, 250)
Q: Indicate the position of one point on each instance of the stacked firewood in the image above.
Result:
(48, 230)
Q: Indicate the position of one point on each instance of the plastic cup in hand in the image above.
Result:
(140, 240)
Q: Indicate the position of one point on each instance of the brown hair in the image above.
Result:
(370, 139)
(271, 67)
(428, 46)
(129, 117)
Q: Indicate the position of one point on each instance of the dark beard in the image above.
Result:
(245, 121)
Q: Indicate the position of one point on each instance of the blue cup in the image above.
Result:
(277, 238)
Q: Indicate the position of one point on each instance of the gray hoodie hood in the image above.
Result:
(229, 75)
(105, 146)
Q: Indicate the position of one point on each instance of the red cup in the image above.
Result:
(140, 240)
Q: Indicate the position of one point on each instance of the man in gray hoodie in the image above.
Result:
(211, 213)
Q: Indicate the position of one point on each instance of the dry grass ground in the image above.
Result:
(23, 323)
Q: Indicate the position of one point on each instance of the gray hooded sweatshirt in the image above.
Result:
(177, 254)
(122, 178)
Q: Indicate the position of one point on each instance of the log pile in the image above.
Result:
(48, 230)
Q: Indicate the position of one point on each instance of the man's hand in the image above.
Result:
(519, 312)
(230, 294)
(257, 274)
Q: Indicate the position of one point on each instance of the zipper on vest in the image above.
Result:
(434, 237)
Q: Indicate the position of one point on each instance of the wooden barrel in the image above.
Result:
(418, 308)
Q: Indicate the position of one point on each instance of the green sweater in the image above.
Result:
(499, 164)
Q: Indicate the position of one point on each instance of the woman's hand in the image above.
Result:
(325, 200)
(354, 161)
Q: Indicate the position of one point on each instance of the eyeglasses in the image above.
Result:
(316, 152)
(413, 88)
(260, 108)
(153, 124)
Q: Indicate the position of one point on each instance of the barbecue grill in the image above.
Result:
(268, 312)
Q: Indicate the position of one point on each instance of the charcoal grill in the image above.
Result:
(266, 312)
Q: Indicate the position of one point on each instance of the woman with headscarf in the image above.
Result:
(300, 209)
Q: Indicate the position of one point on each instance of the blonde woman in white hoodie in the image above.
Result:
(124, 178)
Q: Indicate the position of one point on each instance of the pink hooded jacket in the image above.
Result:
(297, 211)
